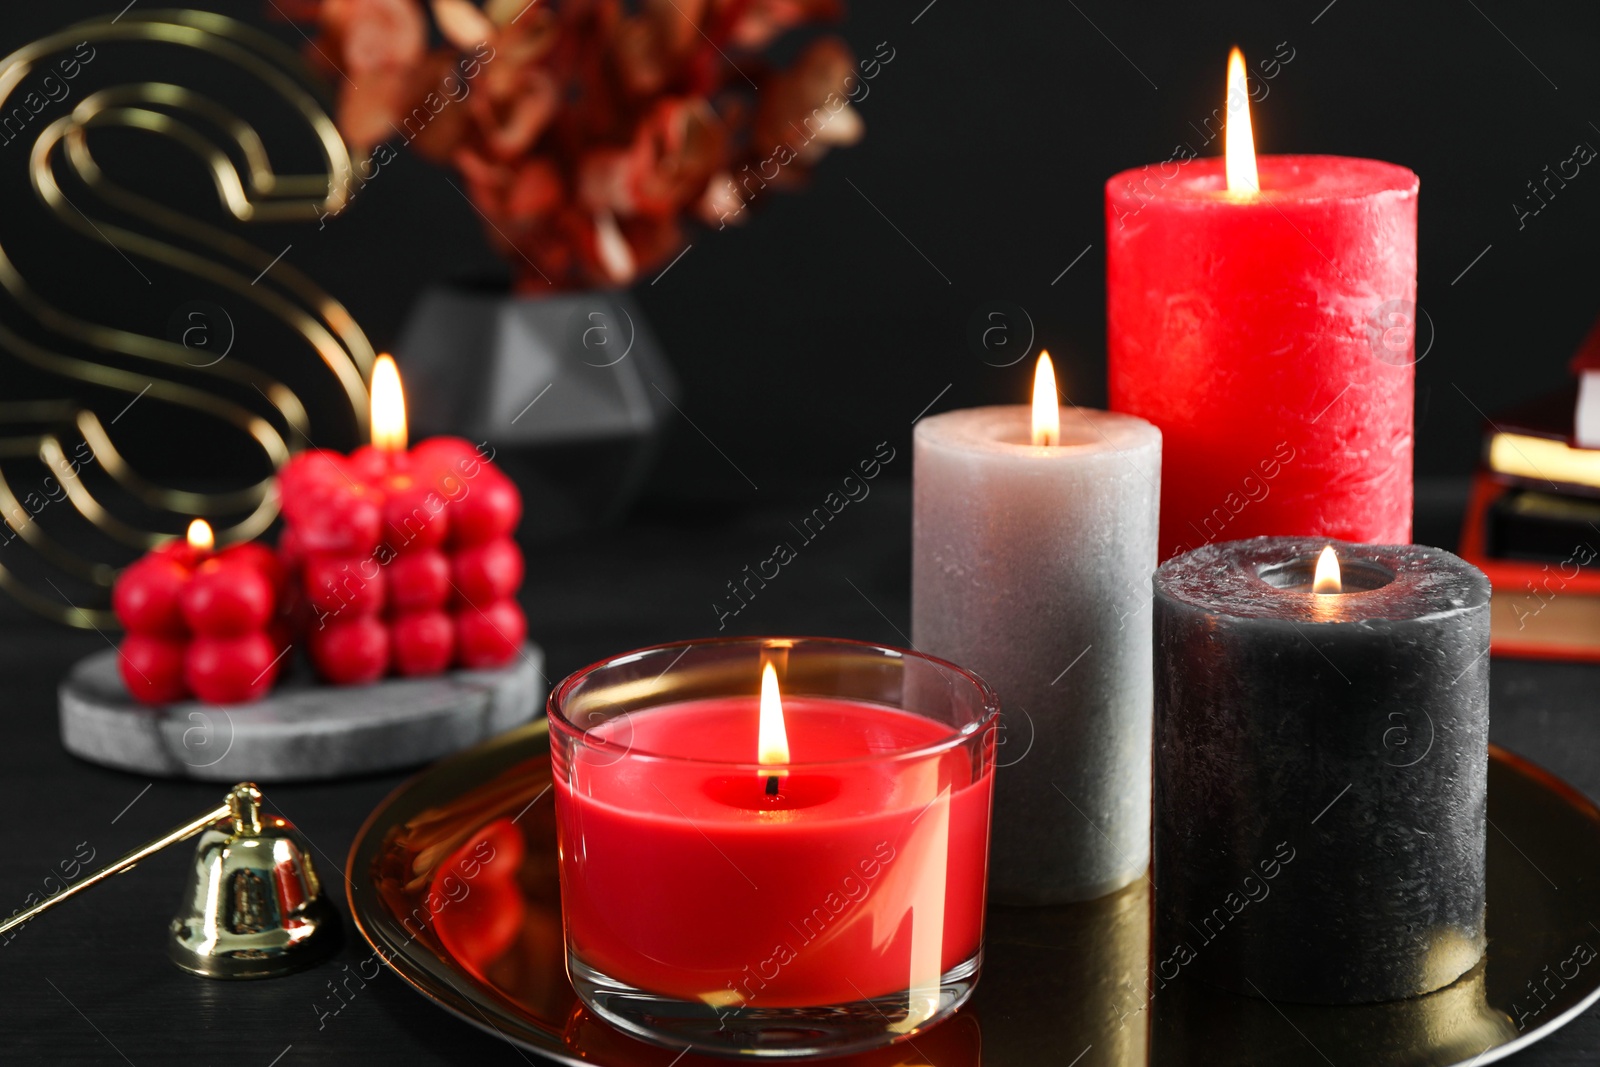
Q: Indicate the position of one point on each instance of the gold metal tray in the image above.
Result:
(1058, 983)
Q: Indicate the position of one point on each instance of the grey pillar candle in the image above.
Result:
(1321, 765)
(1031, 566)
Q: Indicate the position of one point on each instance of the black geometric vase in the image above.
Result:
(571, 391)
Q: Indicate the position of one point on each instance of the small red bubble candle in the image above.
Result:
(402, 560)
(201, 623)
(1263, 317)
(800, 870)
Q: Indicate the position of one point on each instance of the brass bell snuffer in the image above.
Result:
(253, 907)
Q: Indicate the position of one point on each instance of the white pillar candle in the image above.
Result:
(1031, 566)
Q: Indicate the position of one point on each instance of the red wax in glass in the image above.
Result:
(1271, 339)
(687, 879)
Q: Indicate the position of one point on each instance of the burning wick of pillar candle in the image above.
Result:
(388, 406)
(200, 536)
(772, 743)
(1046, 405)
(1238, 142)
(1327, 579)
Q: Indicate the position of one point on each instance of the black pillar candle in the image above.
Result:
(1321, 765)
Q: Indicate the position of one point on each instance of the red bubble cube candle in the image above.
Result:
(201, 623)
(402, 561)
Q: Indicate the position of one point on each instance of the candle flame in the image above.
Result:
(772, 745)
(1238, 143)
(1046, 408)
(200, 536)
(1327, 578)
(388, 406)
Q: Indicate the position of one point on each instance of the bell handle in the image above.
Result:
(127, 862)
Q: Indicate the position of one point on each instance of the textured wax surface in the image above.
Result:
(1226, 580)
(1320, 774)
(714, 740)
(1284, 179)
(1271, 341)
(1031, 566)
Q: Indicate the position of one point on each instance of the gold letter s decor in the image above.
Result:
(79, 503)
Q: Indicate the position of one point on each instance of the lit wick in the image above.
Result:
(200, 536)
(772, 741)
(1327, 579)
(388, 406)
(1238, 141)
(1046, 405)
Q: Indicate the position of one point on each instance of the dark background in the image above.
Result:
(802, 340)
(817, 330)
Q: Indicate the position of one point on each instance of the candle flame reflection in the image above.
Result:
(388, 406)
(772, 744)
(1327, 578)
(1046, 405)
(1238, 141)
(200, 536)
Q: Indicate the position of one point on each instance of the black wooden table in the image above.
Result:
(90, 983)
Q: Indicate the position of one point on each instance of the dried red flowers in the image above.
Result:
(585, 130)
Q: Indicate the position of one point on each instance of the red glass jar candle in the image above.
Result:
(797, 873)
(201, 623)
(403, 560)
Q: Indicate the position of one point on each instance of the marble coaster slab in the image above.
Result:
(302, 730)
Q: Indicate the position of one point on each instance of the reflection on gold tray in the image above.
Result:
(453, 881)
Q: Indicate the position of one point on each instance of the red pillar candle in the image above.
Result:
(736, 861)
(201, 623)
(1266, 326)
(403, 558)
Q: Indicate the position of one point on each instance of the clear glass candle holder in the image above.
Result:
(749, 885)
